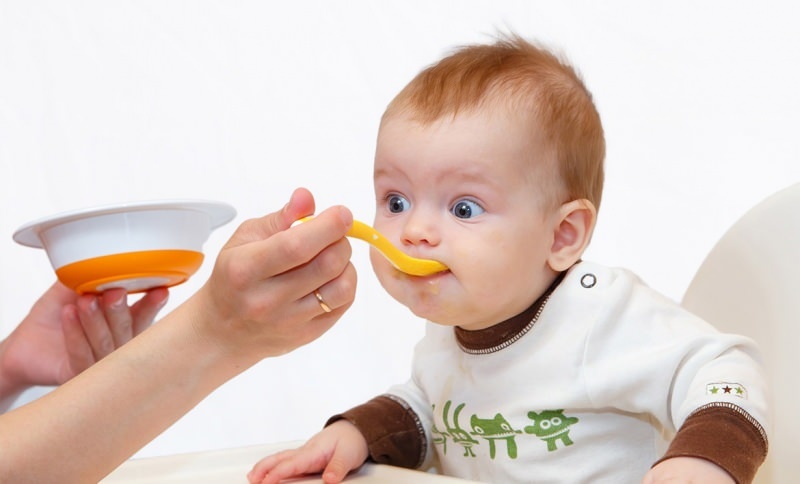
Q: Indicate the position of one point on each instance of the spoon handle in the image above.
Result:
(399, 259)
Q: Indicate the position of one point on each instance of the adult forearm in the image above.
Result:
(87, 427)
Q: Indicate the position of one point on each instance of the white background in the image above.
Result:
(242, 101)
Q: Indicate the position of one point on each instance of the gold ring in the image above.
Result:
(321, 302)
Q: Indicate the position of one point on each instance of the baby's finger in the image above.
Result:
(342, 462)
(275, 468)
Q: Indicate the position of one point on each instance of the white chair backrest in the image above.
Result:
(750, 284)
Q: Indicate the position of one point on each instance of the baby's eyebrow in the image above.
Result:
(387, 173)
(475, 176)
(468, 174)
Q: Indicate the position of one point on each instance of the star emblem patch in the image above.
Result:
(726, 388)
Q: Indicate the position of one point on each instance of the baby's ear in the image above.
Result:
(572, 233)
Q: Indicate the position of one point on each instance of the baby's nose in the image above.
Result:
(421, 230)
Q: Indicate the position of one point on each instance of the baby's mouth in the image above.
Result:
(430, 277)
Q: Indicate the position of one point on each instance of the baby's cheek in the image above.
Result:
(389, 278)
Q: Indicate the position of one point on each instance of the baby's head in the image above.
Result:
(490, 160)
(515, 78)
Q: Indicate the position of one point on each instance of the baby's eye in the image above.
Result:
(397, 204)
(466, 209)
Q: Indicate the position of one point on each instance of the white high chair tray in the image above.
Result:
(232, 466)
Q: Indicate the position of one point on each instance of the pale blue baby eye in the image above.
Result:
(466, 209)
(397, 204)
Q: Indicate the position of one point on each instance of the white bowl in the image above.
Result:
(135, 246)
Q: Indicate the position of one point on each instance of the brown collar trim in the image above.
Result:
(501, 335)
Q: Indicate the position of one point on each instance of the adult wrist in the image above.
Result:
(9, 386)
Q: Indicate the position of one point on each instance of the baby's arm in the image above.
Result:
(722, 435)
(335, 451)
(687, 470)
(384, 429)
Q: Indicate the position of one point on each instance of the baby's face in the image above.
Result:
(467, 192)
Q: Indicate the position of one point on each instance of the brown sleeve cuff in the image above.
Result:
(723, 434)
(392, 430)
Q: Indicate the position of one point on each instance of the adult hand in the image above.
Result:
(261, 294)
(65, 333)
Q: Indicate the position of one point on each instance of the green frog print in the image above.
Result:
(551, 426)
(493, 430)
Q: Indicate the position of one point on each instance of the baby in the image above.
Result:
(536, 366)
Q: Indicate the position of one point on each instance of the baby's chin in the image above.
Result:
(444, 314)
(437, 312)
(424, 298)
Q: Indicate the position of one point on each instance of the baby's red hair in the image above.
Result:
(531, 81)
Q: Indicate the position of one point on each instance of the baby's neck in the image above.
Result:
(502, 334)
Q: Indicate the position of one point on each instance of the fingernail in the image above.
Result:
(291, 199)
(94, 305)
(119, 302)
(346, 216)
(71, 314)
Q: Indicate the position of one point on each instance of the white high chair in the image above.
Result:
(750, 284)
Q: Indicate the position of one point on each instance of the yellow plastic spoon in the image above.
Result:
(399, 259)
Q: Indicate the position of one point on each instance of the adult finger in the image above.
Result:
(114, 305)
(301, 204)
(282, 325)
(79, 351)
(339, 296)
(334, 294)
(94, 325)
(285, 267)
(144, 310)
(290, 248)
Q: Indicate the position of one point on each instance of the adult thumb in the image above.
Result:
(300, 204)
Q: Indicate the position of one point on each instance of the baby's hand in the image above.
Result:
(687, 470)
(335, 451)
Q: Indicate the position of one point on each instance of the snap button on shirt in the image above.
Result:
(588, 280)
